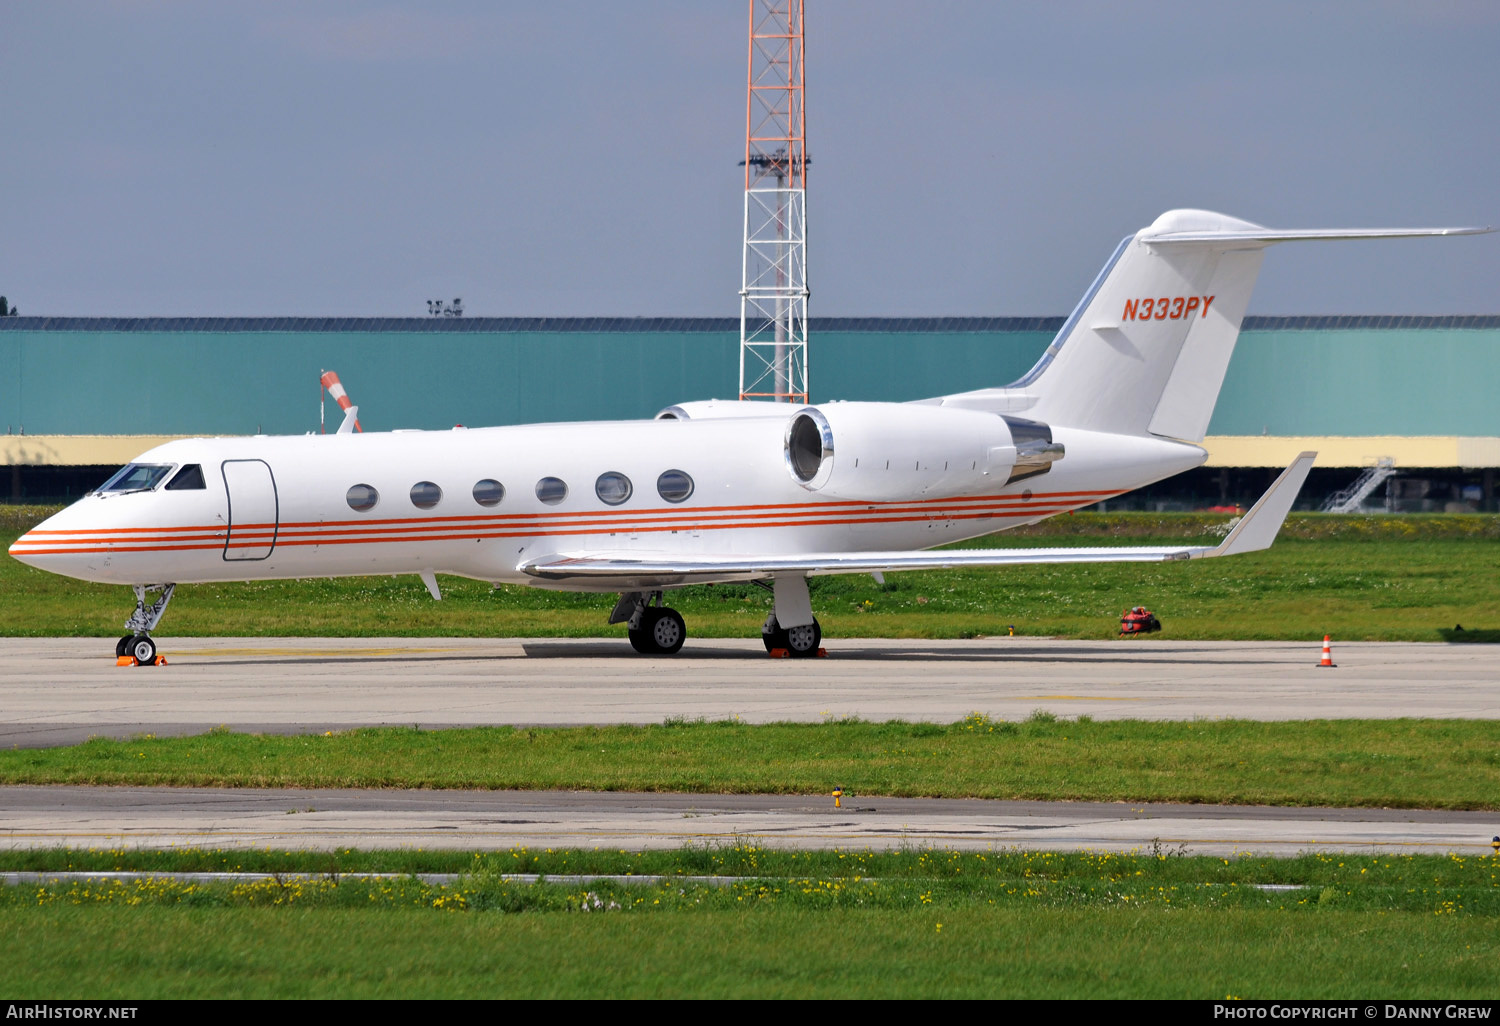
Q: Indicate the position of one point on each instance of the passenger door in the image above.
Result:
(253, 510)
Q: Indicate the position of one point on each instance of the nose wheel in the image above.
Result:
(138, 645)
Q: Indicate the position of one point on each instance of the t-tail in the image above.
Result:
(1145, 351)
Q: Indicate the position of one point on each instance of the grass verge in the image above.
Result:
(1452, 764)
(899, 924)
(1165, 952)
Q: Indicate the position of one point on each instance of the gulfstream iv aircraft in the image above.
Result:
(719, 491)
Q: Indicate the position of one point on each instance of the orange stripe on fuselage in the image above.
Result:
(673, 512)
(457, 533)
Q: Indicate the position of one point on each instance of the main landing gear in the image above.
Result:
(653, 629)
(137, 644)
(798, 642)
(656, 630)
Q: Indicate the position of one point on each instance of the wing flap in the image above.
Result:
(704, 568)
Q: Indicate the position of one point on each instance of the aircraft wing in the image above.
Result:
(631, 570)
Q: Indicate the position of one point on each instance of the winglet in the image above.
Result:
(1257, 529)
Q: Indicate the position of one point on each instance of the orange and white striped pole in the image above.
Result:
(330, 381)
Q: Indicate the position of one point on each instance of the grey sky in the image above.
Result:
(579, 158)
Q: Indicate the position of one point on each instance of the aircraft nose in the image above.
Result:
(54, 545)
(31, 549)
(23, 549)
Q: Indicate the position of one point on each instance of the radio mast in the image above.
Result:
(773, 276)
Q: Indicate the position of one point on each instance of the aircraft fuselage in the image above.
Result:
(283, 506)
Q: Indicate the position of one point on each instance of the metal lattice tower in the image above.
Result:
(773, 291)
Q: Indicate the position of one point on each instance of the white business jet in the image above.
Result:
(719, 491)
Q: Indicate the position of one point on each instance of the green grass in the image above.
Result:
(1360, 578)
(823, 924)
(124, 953)
(1416, 882)
(1453, 764)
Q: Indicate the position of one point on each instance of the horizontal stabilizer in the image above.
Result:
(635, 570)
(1270, 235)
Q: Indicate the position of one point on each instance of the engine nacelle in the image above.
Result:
(892, 451)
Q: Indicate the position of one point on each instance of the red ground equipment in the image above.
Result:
(1139, 620)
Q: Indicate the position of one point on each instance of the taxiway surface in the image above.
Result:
(60, 691)
(321, 819)
(63, 690)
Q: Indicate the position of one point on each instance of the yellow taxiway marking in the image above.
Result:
(478, 653)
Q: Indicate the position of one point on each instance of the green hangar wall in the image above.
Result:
(1296, 376)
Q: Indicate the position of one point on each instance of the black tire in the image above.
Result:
(640, 637)
(144, 650)
(772, 634)
(661, 632)
(668, 631)
(803, 642)
(122, 647)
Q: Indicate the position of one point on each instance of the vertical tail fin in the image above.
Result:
(1145, 351)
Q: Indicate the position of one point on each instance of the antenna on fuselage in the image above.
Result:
(329, 383)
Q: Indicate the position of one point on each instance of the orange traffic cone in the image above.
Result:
(1327, 654)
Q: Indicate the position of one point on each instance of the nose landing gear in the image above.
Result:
(137, 648)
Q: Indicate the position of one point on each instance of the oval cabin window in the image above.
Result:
(613, 488)
(489, 492)
(674, 485)
(362, 497)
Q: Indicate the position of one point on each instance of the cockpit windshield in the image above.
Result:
(135, 477)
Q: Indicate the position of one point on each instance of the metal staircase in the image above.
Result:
(1348, 500)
